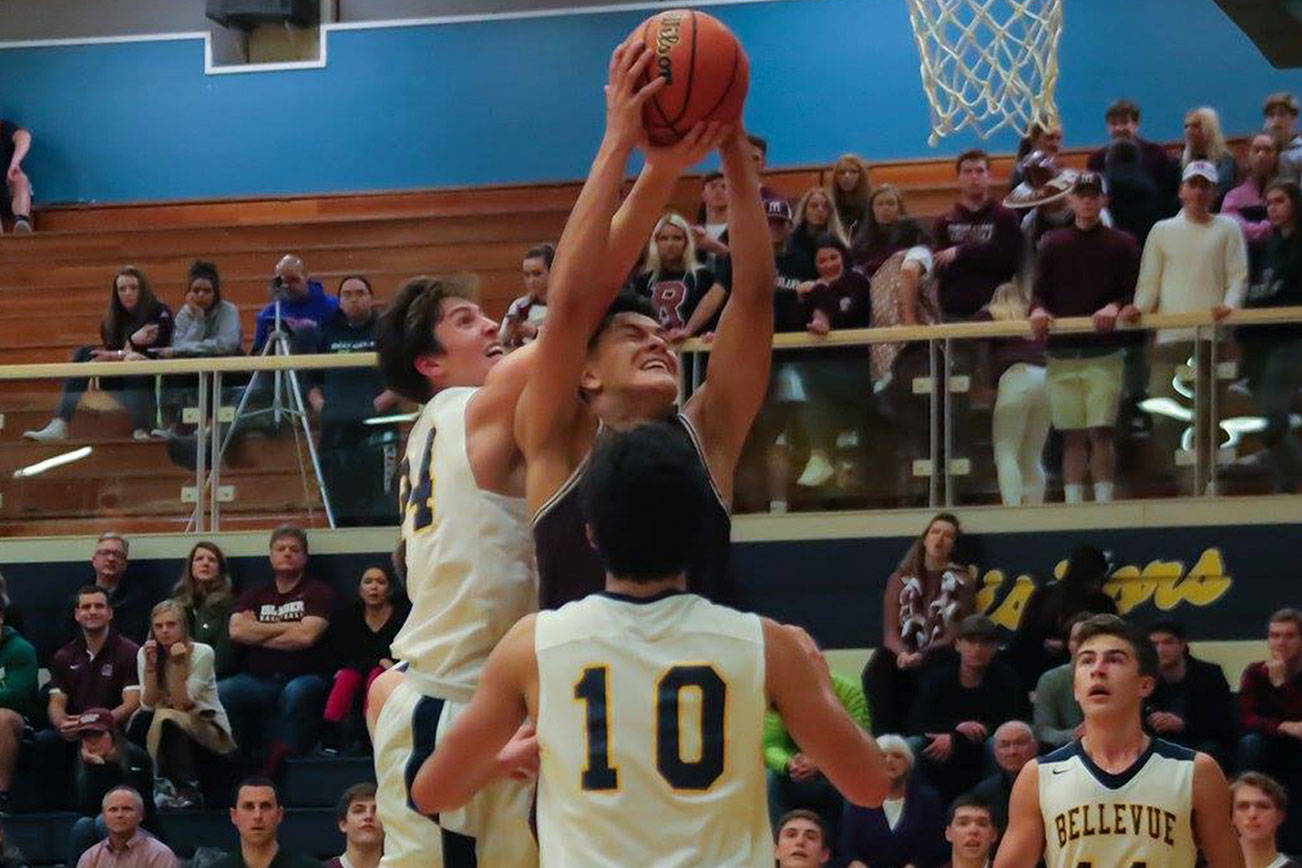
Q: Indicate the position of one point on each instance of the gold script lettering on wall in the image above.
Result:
(1164, 582)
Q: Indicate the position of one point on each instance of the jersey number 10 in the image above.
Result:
(593, 690)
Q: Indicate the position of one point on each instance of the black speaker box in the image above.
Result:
(247, 14)
(1275, 26)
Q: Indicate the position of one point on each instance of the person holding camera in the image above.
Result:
(178, 684)
(304, 307)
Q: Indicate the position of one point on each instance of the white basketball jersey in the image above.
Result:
(469, 555)
(1140, 818)
(650, 728)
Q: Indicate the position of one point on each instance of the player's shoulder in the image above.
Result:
(1061, 756)
(1172, 751)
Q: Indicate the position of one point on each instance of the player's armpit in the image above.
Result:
(1212, 826)
(802, 694)
(1023, 842)
(466, 759)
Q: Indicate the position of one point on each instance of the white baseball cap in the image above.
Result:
(1200, 169)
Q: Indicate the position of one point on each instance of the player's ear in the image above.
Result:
(589, 380)
(430, 366)
(1147, 684)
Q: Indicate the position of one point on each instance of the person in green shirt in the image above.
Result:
(257, 816)
(794, 780)
(17, 700)
(204, 590)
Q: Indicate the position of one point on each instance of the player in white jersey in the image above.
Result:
(649, 701)
(1118, 798)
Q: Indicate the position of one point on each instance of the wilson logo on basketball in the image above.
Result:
(670, 34)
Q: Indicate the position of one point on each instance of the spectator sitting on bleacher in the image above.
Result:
(361, 636)
(12, 611)
(685, 295)
(363, 832)
(18, 698)
(95, 670)
(1281, 111)
(816, 216)
(178, 684)
(1270, 699)
(971, 832)
(850, 191)
(127, 599)
(1192, 704)
(206, 325)
(355, 455)
(979, 242)
(1259, 806)
(204, 592)
(1015, 746)
(304, 307)
(105, 760)
(1058, 718)
(15, 142)
(1203, 140)
(907, 830)
(802, 841)
(1247, 202)
(127, 845)
(257, 816)
(136, 324)
(279, 693)
(1122, 118)
(527, 313)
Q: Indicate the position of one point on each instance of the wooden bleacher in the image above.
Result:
(54, 288)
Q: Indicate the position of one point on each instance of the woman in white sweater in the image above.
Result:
(178, 683)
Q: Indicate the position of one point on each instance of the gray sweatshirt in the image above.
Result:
(216, 333)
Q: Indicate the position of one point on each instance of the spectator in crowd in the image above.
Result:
(361, 637)
(979, 241)
(105, 760)
(303, 304)
(926, 597)
(356, 458)
(10, 855)
(795, 781)
(1192, 704)
(1087, 269)
(257, 816)
(801, 841)
(1270, 709)
(1058, 717)
(279, 692)
(1247, 202)
(1272, 354)
(960, 704)
(1281, 110)
(1122, 118)
(1045, 138)
(676, 284)
(136, 322)
(206, 325)
(95, 670)
(204, 592)
(1040, 642)
(1195, 261)
(13, 613)
(526, 314)
(126, 845)
(1043, 198)
(1020, 423)
(1259, 806)
(1203, 140)
(18, 676)
(972, 831)
(178, 683)
(128, 600)
(894, 252)
(816, 216)
(850, 190)
(1015, 746)
(907, 830)
(15, 143)
(363, 833)
(710, 234)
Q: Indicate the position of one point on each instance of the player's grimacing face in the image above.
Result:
(470, 345)
(1254, 814)
(800, 845)
(1107, 675)
(633, 357)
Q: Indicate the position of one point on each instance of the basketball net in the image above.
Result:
(988, 64)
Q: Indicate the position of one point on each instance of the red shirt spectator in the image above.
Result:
(270, 605)
(95, 670)
(979, 242)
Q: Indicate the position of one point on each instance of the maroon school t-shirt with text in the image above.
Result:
(308, 598)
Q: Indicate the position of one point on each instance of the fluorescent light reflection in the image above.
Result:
(50, 463)
(391, 420)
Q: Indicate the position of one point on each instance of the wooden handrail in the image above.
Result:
(791, 340)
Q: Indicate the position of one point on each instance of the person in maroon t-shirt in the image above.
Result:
(1270, 701)
(279, 625)
(95, 670)
(978, 242)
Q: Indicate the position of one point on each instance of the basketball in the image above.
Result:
(706, 72)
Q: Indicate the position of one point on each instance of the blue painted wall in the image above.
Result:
(520, 100)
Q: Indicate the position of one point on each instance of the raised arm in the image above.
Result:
(802, 694)
(725, 406)
(1023, 842)
(466, 759)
